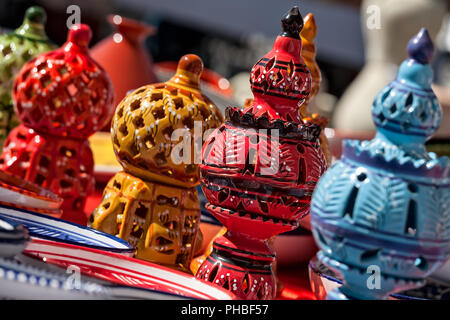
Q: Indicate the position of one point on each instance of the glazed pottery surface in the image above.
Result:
(386, 203)
(125, 270)
(61, 98)
(17, 48)
(254, 196)
(153, 203)
(47, 227)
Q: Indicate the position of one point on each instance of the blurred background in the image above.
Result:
(360, 43)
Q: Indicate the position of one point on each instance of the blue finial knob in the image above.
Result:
(421, 48)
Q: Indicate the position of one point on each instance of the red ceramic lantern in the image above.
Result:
(260, 168)
(61, 97)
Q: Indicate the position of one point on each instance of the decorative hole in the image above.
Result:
(39, 179)
(223, 195)
(369, 255)
(138, 122)
(411, 220)
(123, 129)
(156, 96)
(117, 185)
(72, 90)
(300, 148)
(45, 80)
(158, 113)
(409, 100)
(421, 263)
(149, 141)
(135, 104)
(412, 188)
(65, 184)
(361, 177)
(188, 122)
(393, 108)
(245, 284)
(178, 103)
(290, 68)
(160, 159)
(141, 211)
(212, 275)
(270, 64)
(167, 132)
(351, 199)
(385, 95)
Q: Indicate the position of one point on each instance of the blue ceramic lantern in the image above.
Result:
(381, 215)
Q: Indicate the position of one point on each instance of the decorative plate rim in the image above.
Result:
(32, 249)
(128, 248)
(44, 194)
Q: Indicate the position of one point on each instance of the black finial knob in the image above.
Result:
(292, 23)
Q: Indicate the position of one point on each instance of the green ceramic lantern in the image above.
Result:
(16, 48)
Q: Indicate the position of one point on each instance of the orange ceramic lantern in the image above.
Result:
(61, 97)
(308, 35)
(153, 203)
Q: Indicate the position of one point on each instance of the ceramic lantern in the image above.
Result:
(17, 48)
(153, 203)
(260, 168)
(61, 98)
(381, 215)
(308, 54)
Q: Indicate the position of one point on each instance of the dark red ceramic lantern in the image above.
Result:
(260, 168)
(61, 97)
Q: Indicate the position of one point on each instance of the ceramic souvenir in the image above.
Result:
(323, 280)
(17, 48)
(46, 227)
(259, 169)
(13, 238)
(308, 35)
(61, 98)
(125, 270)
(296, 246)
(153, 203)
(27, 278)
(380, 215)
(20, 281)
(124, 57)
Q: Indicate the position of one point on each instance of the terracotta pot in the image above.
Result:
(124, 57)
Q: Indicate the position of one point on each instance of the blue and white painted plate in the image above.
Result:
(50, 228)
(20, 280)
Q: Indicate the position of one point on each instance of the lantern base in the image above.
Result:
(242, 265)
(62, 165)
